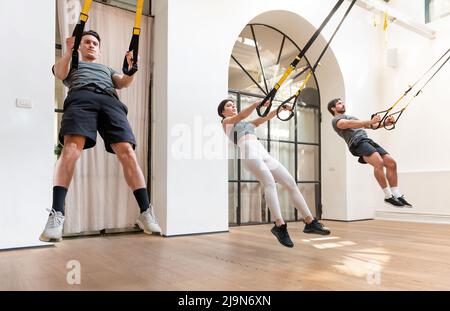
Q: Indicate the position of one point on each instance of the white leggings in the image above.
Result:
(267, 170)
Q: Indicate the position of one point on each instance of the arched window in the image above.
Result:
(260, 56)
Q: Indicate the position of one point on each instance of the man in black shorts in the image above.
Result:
(92, 105)
(352, 131)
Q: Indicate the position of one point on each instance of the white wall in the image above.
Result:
(193, 62)
(421, 141)
(159, 113)
(26, 160)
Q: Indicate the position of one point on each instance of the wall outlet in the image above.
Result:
(24, 103)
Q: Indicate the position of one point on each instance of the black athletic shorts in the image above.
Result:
(365, 147)
(86, 112)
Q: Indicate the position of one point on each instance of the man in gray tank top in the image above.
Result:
(92, 105)
(352, 130)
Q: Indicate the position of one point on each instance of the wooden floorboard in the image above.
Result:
(366, 255)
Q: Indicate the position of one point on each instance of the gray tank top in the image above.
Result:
(91, 73)
(241, 129)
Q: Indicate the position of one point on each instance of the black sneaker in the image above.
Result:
(393, 201)
(316, 227)
(282, 235)
(403, 201)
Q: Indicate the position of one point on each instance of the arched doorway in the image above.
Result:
(260, 56)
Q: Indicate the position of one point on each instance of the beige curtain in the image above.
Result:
(99, 197)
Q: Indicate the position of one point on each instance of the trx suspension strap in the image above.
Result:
(310, 73)
(78, 32)
(134, 44)
(399, 113)
(269, 97)
(387, 111)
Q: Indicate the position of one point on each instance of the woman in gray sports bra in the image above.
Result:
(265, 168)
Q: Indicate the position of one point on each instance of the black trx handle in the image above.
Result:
(313, 70)
(78, 33)
(134, 44)
(282, 107)
(134, 47)
(386, 112)
(392, 125)
(271, 95)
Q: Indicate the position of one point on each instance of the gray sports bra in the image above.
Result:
(241, 129)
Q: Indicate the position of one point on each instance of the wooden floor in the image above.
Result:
(366, 255)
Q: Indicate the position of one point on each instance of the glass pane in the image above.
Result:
(282, 130)
(308, 163)
(244, 52)
(245, 174)
(59, 99)
(233, 97)
(232, 161)
(59, 86)
(285, 153)
(261, 131)
(232, 203)
(286, 206)
(308, 125)
(437, 9)
(269, 44)
(252, 209)
(309, 193)
(309, 96)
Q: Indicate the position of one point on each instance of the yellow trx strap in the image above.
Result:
(84, 12)
(399, 113)
(137, 19)
(78, 32)
(386, 112)
(134, 44)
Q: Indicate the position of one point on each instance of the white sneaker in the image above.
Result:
(147, 221)
(54, 228)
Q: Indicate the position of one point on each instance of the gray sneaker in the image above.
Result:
(54, 228)
(147, 221)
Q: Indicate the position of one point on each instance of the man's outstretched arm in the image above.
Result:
(62, 67)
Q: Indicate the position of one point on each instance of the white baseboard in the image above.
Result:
(413, 217)
(12, 245)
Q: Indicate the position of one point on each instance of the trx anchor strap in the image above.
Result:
(310, 73)
(134, 44)
(271, 95)
(400, 112)
(387, 111)
(78, 33)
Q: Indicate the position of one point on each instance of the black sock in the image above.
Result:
(142, 199)
(59, 195)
